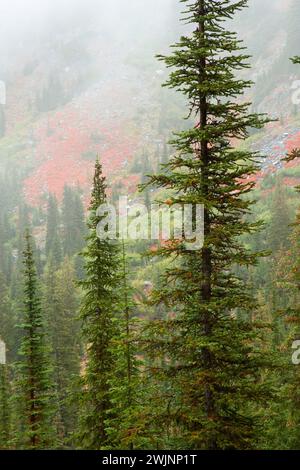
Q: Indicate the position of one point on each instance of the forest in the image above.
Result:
(147, 343)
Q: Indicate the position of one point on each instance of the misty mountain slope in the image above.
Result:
(85, 81)
(88, 86)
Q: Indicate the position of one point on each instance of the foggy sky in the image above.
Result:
(21, 19)
(26, 23)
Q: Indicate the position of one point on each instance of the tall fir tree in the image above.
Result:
(278, 242)
(212, 360)
(35, 397)
(98, 311)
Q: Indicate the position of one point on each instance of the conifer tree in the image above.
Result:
(283, 415)
(23, 222)
(288, 317)
(290, 281)
(60, 305)
(53, 244)
(97, 315)
(53, 322)
(73, 222)
(35, 395)
(212, 364)
(278, 242)
(4, 408)
(126, 391)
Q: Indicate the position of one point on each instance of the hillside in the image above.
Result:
(78, 93)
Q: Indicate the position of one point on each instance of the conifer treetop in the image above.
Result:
(98, 195)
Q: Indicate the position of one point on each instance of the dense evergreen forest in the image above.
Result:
(136, 344)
